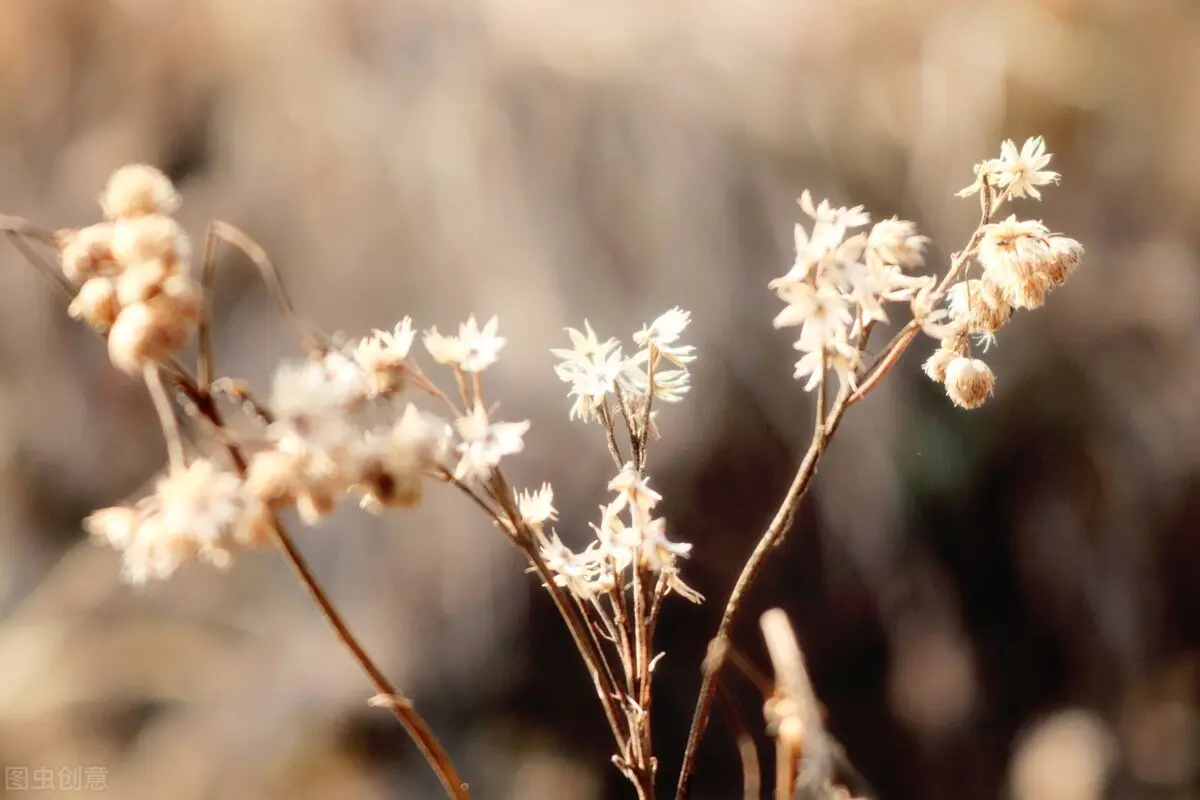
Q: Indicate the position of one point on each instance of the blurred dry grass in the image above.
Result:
(960, 578)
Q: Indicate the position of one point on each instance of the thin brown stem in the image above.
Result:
(270, 277)
(208, 275)
(386, 694)
(747, 749)
(49, 270)
(644, 432)
(610, 434)
(774, 534)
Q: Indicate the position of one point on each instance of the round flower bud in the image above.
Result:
(136, 190)
(96, 304)
(148, 238)
(969, 382)
(86, 252)
(935, 365)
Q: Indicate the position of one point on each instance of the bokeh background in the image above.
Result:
(1003, 603)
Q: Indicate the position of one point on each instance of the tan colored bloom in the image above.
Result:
(382, 355)
(1064, 258)
(145, 332)
(153, 237)
(87, 252)
(896, 241)
(935, 365)
(197, 511)
(96, 304)
(979, 305)
(141, 281)
(969, 382)
(137, 190)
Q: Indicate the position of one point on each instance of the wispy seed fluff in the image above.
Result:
(1025, 261)
(134, 270)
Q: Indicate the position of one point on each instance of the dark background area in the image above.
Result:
(993, 603)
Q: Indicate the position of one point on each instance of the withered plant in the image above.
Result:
(342, 423)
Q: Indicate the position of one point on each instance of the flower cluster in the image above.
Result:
(133, 270)
(331, 433)
(843, 275)
(320, 448)
(596, 369)
(1020, 260)
(628, 536)
(196, 511)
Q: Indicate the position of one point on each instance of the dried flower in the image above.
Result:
(382, 355)
(1020, 173)
(484, 443)
(96, 303)
(969, 382)
(935, 365)
(153, 237)
(663, 333)
(473, 350)
(87, 252)
(137, 190)
(979, 305)
(537, 507)
(146, 332)
(197, 511)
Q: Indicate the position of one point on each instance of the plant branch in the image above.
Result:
(424, 737)
(774, 534)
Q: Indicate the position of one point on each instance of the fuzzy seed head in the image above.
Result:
(141, 281)
(137, 190)
(935, 365)
(979, 305)
(87, 252)
(969, 382)
(150, 237)
(96, 304)
(145, 332)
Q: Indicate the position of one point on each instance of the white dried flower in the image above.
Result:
(473, 350)
(662, 334)
(1017, 173)
(655, 550)
(670, 385)
(137, 190)
(382, 355)
(591, 367)
(309, 388)
(896, 241)
(197, 511)
(844, 359)
(484, 443)
(537, 507)
(1020, 173)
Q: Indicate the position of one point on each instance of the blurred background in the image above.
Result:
(1003, 603)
